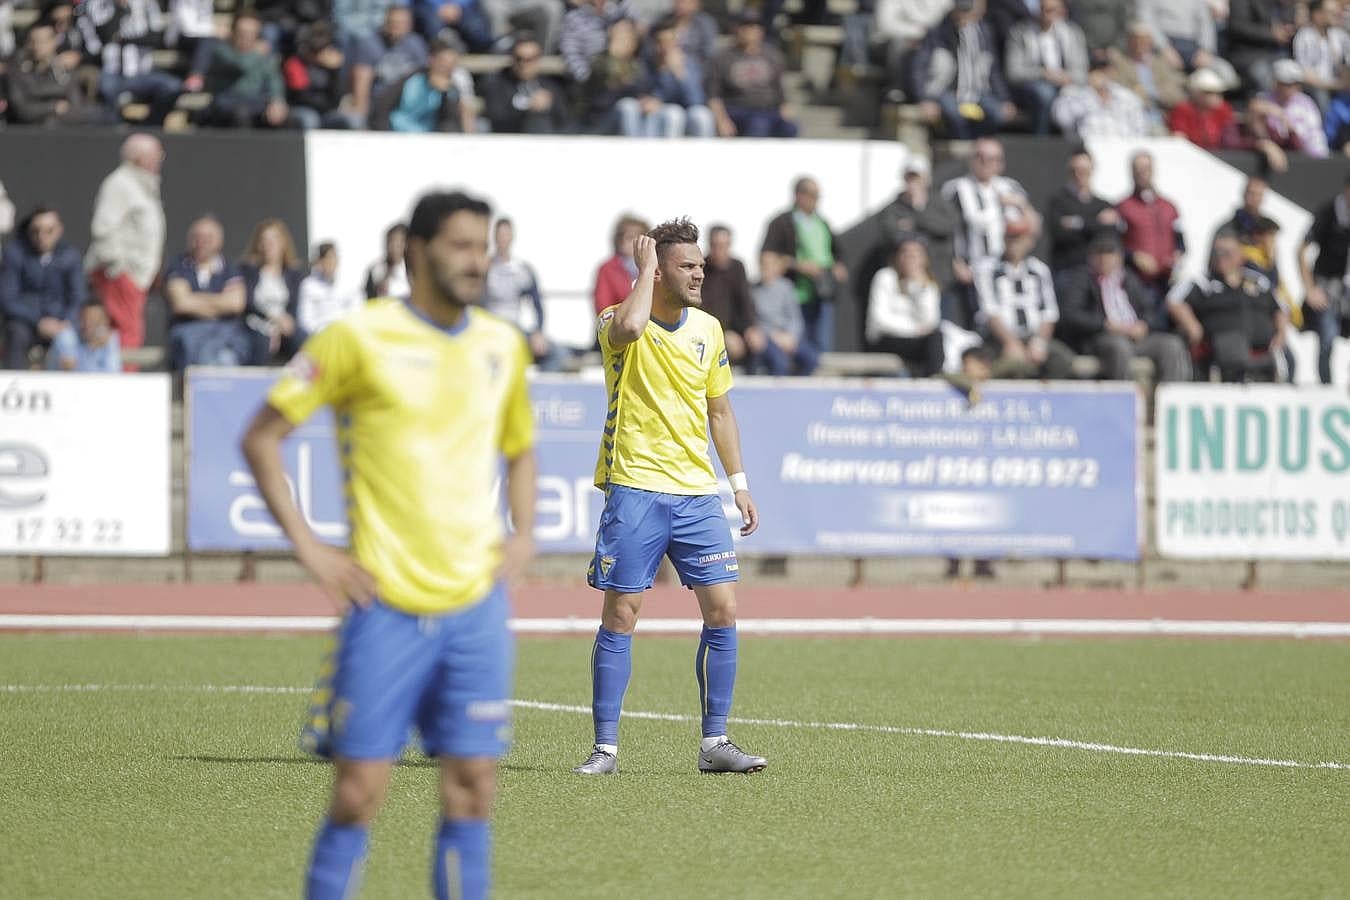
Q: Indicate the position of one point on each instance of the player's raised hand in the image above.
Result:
(644, 253)
(749, 515)
(517, 551)
(342, 579)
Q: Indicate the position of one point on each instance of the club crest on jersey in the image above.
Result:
(604, 320)
(303, 368)
(700, 347)
(606, 563)
(494, 364)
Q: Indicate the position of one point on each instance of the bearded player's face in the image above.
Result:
(682, 274)
(457, 258)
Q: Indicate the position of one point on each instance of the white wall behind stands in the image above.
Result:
(566, 193)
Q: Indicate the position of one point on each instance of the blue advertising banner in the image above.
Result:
(838, 468)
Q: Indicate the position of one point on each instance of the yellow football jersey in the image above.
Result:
(656, 426)
(424, 416)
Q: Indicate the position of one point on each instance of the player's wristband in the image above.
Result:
(739, 482)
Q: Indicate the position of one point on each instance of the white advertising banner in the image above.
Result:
(1252, 472)
(84, 464)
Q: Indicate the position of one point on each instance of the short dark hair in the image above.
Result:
(397, 227)
(504, 220)
(673, 233)
(433, 209)
(324, 248)
(716, 229)
(1079, 150)
(1227, 233)
(979, 351)
(247, 12)
(95, 303)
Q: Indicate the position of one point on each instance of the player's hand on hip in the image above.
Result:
(340, 576)
(749, 515)
(644, 253)
(517, 551)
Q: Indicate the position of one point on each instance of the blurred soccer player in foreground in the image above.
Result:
(667, 376)
(429, 394)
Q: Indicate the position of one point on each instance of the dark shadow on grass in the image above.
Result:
(283, 760)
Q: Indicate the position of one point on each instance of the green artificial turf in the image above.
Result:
(169, 791)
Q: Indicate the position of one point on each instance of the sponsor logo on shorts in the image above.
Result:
(733, 567)
(710, 558)
(606, 563)
(488, 711)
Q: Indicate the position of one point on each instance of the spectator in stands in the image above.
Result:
(675, 80)
(1208, 121)
(1186, 35)
(959, 81)
(1229, 316)
(1142, 69)
(512, 292)
(315, 78)
(1076, 216)
(322, 300)
(585, 35)
(388, 276)
(1289, 117)
(271, 272)
(438, 98)
(355, 19)
(808, 244)
(127, 236)
(465, 18)
(985, 201)
(1101, 108)
(541, 18)
(40, 90)
(1151, 232)
(244, 79)
(615, 277)
(1104, 312)
(1336, 121)
(1259, 259)
(1322, 48)
(384, 57)
(1018, 311)
(206, 300)
(517, 100)
(42, 285)
(1326, 301)
(282, 20)
(904, 24)
(1258, 35)
(916, 210)
(192, 23)
(696, 32)
(1043, 57)
(1247, 216)
(727, 298)
(788, 350)
(745, 86)
(123, 34)
(90, 346)
(70, 48)
(1105, 23)
(904, 310)
(615, 97)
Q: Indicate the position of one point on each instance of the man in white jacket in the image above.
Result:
(127, 236)
(322, 300)
(904, 24)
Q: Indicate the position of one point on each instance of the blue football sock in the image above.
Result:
(463, 867)
(611, 666)
(335, 863)
(715, 667)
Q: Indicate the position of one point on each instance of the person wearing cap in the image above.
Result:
(1101, 108)
(959, 81)
(1018, 310)
(745, 85)
(918, 210)
(1229, 316)
(1207, 120)
(1259, 33)
(1324, 264)
(1288, 116)
(1076, 215)
(1104, 311)
(1044, 57)
(1142, 69)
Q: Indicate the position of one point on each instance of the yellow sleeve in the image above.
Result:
(719, 376)
(517, 434)
(323, 373)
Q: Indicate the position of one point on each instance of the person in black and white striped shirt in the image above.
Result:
(1018, 311)
(1322, 48)
(985, 202)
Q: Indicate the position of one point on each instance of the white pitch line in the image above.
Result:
(856, 626)
(540, 706)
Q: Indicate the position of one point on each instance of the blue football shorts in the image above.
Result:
(638, 527)
(449, 676)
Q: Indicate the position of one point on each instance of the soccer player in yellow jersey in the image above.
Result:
(667, 376)
(430, 394)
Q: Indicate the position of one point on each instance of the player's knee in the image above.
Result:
(468, 789)
(721, 616)
(356, 798)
